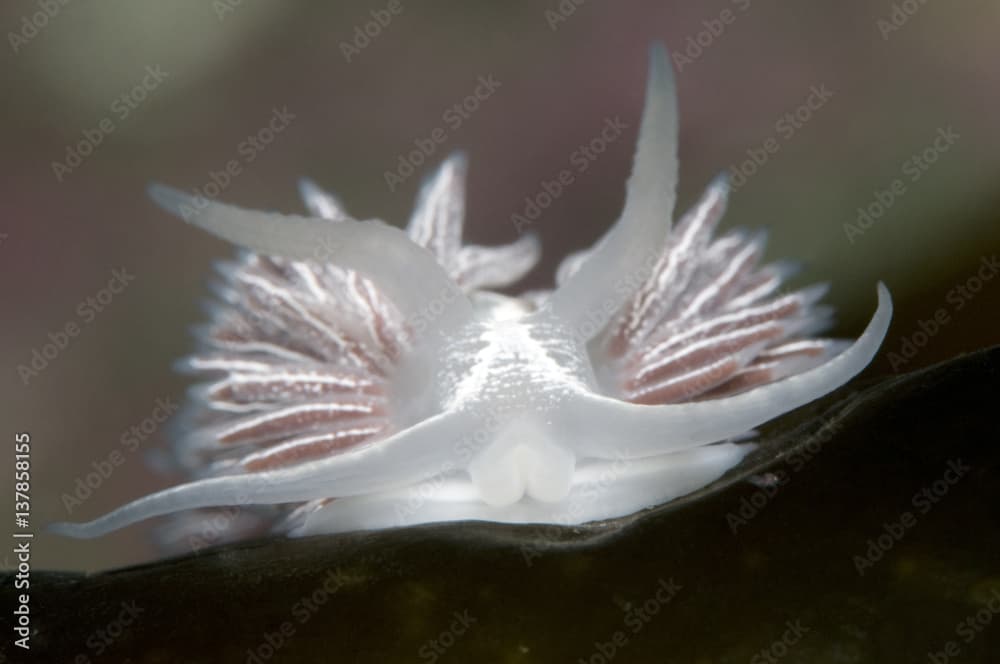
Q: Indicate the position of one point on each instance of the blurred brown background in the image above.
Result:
(211, 74)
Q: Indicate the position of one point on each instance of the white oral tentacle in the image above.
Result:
(410, 456)
(372, 248)
(587, 296)
(652, 430)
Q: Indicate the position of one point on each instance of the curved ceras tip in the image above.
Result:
(551, 464)
(689, 425)
(436, 223)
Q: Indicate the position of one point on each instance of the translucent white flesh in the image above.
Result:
(374, 249)
(600, 490)
(651, 430)
(410, 456)
(594, 289)
(564, 454)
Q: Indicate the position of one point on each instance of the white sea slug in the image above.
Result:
(364, 377)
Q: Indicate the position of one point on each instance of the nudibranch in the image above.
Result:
(366, 377)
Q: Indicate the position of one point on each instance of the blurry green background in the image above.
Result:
(228, 65)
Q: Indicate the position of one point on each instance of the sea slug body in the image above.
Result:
(362, 377)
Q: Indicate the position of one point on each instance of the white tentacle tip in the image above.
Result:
(884, 309)
(720, 184)
(866, 346)
(658, 59)
(458, 160)
(67, 529)
(177, 202)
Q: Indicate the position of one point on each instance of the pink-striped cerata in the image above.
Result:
(359, 376)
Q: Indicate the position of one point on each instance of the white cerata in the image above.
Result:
(365, 377)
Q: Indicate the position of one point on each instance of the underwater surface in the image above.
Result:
(866, 528)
